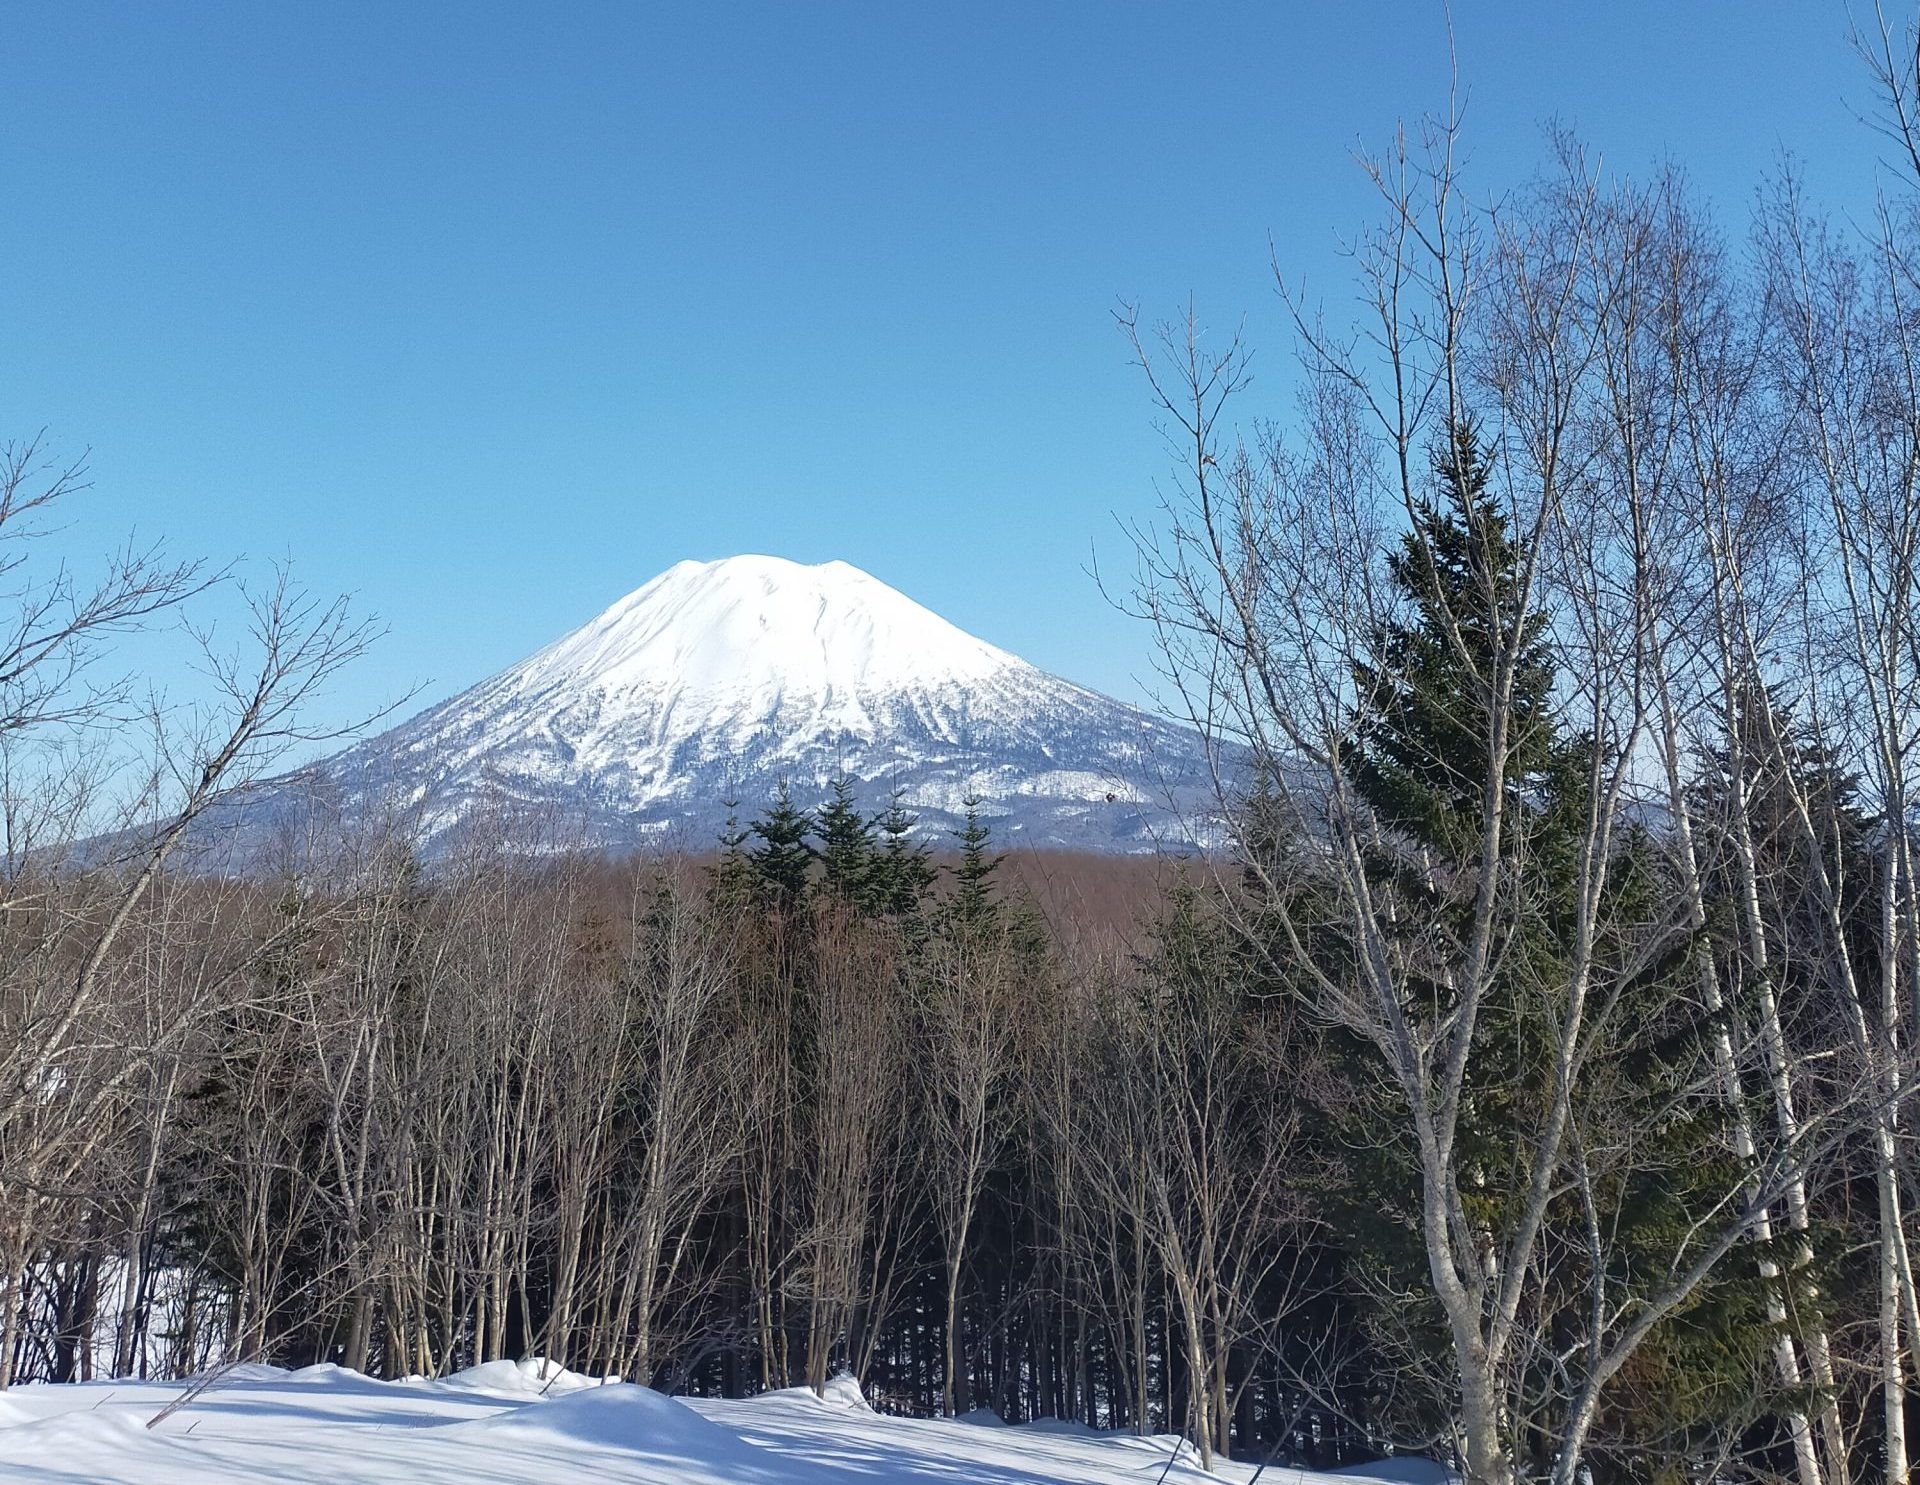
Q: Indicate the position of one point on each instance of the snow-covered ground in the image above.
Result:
(503, 1423)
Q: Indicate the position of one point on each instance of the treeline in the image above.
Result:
(823, 1103)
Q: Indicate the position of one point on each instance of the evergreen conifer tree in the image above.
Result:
(1420, 756)
(784, 858)
(902, 868)
(1783, 763)
(732, 877)
(846, 848)
(1420, 759)
(975, 902)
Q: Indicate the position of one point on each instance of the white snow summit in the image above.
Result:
(718, 681)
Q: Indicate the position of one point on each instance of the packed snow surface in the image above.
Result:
(532, 1424)
(718, 681)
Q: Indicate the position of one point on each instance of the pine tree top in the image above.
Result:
(974, 901)
(1421, 754)
(846, 845)
(784, 858)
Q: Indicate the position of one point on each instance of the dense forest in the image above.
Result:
(822, 1102)
(1531, 1083)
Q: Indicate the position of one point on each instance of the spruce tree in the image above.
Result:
(1432, 690)
(1782, 762)
(974, 903)
(846, 848)
(784, 858)
(902, 868)
(1420, 759)
(1420, 756)
(732, 877)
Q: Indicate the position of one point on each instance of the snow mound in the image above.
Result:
(533, 1377)
(842, 1394)
(82, 1433)
(1071, 1428)
(248, 1372)
(324, 1371)
(620, 1416)
(981, 1418)
(1404, 1469)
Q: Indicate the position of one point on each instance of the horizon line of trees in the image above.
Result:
(821, 1104)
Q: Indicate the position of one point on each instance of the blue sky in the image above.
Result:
(488, 314)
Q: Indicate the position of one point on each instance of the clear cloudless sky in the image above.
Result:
(487, 314)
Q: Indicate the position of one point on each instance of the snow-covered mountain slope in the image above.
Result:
(718, 681)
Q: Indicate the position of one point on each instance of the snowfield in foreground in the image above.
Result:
(501, 1423)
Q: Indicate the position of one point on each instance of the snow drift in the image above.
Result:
(533, 1424)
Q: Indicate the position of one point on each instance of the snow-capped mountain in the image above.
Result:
(717, 681)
